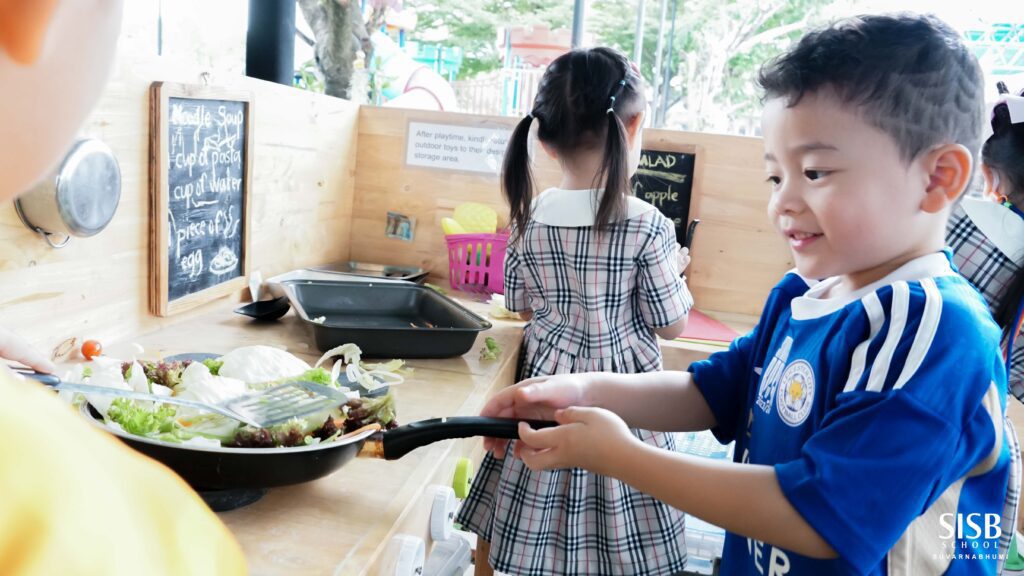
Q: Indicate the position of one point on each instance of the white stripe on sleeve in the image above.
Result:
(925, 331)
(897, 323)
(876, 316)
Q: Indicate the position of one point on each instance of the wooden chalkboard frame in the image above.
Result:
(160, 95)
(655, 142)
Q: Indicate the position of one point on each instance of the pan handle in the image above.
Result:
(400, 441)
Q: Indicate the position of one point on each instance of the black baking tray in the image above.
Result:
(394, 320)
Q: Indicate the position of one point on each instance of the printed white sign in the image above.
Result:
(456, 147)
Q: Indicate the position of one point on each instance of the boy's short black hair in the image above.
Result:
(909, 75)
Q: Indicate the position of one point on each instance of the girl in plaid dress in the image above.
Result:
(987, 235)
(599, 272)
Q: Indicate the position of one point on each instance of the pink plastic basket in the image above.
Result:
(476, 262)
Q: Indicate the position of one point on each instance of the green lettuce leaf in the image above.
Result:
(149, 422)
(214, 365)
(491, 349)
(315, 375)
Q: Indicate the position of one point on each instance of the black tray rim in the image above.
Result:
(482, 323)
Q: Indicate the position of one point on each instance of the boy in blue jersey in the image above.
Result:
(867, 408)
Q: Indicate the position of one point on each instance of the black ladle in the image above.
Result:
(265, 309)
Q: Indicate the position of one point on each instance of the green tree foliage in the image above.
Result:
(473, 25)
(718, 48)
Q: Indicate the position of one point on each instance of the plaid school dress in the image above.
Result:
(596, 300)
(990, 270)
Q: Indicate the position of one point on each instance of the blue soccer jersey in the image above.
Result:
(882, 413)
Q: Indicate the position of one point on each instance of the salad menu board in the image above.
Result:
(665, 179)
(200, 155)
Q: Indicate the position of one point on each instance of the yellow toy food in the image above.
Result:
(476, 218)
(452, 226)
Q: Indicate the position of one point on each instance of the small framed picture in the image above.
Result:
(400, 226)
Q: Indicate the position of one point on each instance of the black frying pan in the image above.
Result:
(229, 468)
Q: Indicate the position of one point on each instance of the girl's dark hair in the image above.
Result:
(581, 103)
(1003, 153)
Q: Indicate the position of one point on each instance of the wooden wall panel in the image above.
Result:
(737, 256)
(384, 182)
(302, 191)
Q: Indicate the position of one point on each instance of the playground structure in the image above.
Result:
(409, 74)
(527, 50)
(401, 81)
(999, 48)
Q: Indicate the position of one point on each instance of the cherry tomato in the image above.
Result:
(91, 349)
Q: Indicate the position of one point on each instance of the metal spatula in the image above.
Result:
(286, 401)
(260, 409)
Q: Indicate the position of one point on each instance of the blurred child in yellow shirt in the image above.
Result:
(75, 500)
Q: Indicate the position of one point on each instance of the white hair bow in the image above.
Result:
(1016, 106)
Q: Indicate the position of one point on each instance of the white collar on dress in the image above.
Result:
(1002, 226)
(812, 305)
(577, 208)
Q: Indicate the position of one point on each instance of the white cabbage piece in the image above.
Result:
(258, 364)
(349, 393)
(212, 426)
(201, 442)
(350, 352)
(197, 383)
(106, 372)
(498, 309)
(370, 377)
(77, 375)
(137, 381)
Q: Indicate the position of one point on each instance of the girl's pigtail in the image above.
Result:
(517, 178)
(614, 171)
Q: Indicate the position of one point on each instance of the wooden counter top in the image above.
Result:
(678, 355)
(341, 524)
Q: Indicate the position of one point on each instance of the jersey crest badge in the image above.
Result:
(796, 393)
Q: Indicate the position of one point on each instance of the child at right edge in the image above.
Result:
(867, 405)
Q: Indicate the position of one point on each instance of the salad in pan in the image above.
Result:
(238, 372)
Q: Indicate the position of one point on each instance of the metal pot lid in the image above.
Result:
(88, 187)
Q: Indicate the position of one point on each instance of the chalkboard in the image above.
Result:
(201, 144)
(665, 179)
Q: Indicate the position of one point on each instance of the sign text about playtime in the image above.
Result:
(454, 147)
